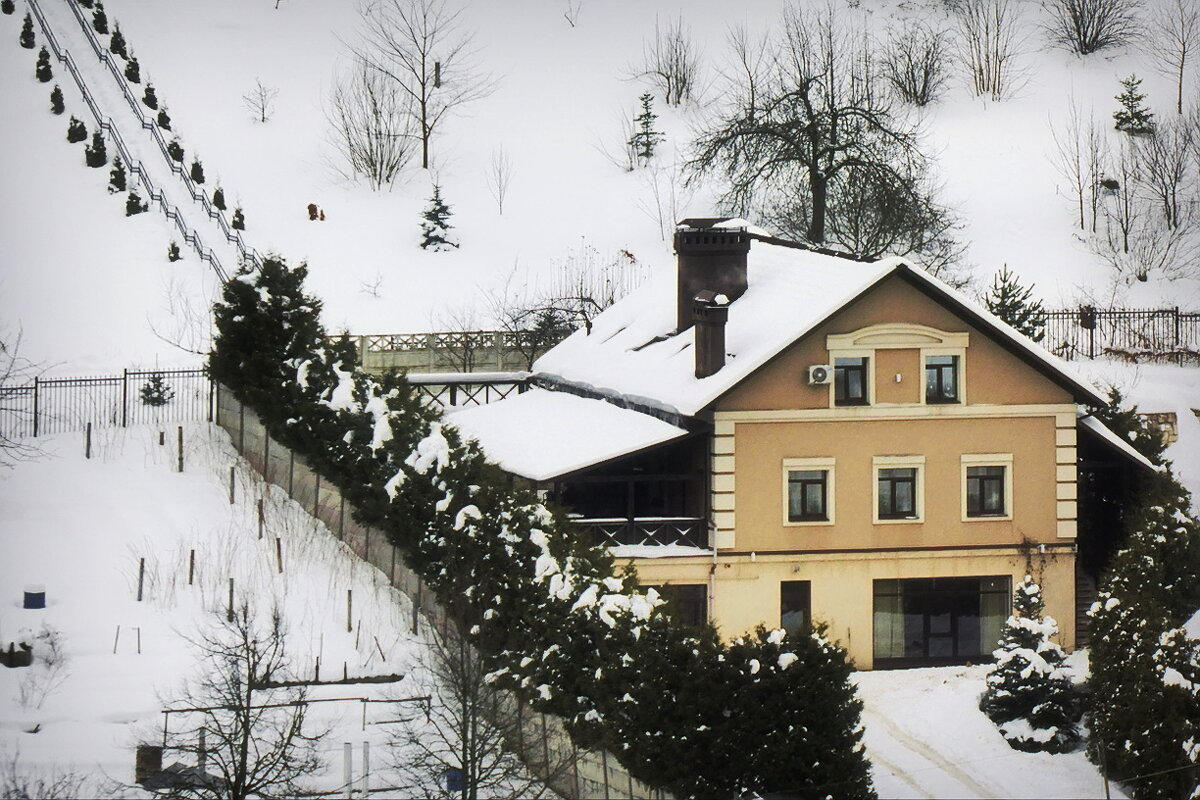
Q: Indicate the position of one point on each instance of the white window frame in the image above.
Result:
(916, 462)
(825, 465)
(988, 460)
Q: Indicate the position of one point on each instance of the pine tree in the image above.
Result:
(156, 392)
(134, 204)
(1030, 695)
(116, 176)
(26, 38)
(435, 227)
(238, 223)
(133, 71)
(164, 119)
(7, 6)
(197, 171)
(173, 253)
(42, 70)
(218, 199)
(96, 155)
(175, 150)
(1133, 117)
(645, 138)
(1014, 303)
(87, 3)
(149, 98)
(100, 19)
(76, 131)
(1127, 422)
(117, 43)
(56, 100)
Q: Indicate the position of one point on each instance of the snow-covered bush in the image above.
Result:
(117, 43)
(133, 70)
(238, 221)
(134, 205)
(164, 119)
(76, 131)
(26, 38)
(96, 154)
(218, 199)
(42, 70)
(175, 150)
(7, 7)
(56, 100)
(116, 176)
(540, 602)
(149, 97)
(197, 171)
(99, 19)
(1030, 694)
(173, 252)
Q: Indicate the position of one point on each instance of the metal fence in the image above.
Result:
(135, 397)
(1132, 334)
(456, 351)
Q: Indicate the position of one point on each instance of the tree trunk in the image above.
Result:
(820, 196)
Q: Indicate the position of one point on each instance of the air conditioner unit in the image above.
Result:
(820, 374)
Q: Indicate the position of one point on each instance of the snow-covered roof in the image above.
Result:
(541, 434)
(1116, 442)
(631, 351)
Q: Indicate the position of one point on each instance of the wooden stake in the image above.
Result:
(279, 553)
(348, 773)
(317, 671)
(162, 438)
(262, 518)
(116, 640)
(345, 672)
(141, 577)
(229, 613)
(232, 476)
(87, 449)
(191, 566)
(349, 610)
(139, 639)
(379, 647)
(180, 438)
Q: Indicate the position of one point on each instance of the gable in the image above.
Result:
(894, 322)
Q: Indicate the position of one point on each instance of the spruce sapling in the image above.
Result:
(645, 138)
(1133, 117)
(218, 199)
(56, 100)
(116, 176)
(435, 225)
(238, 223)
(175, 150)
(134, 204)
(26, 38)
(133, 71)
(76, 131)
(100, 19)
(96, 155)
(43, 71)
(1030, 694)
(149, 98)
(164, 119)
(1014, 303)
(7, 6)
(197, 171)
(117, 43)
(173, 253)
(156, 392)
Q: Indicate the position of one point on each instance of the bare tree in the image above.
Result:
(372, 125)
(421, 47)
(260, 101)
(21, 783)
(1175, 31)
(469, 731)
(668, 195)
(256, 742)
(1080, 151)
(459, 338)
(804, 126)
(1087, 26)
(671, 61)
(1167, 178)
(625, 155)
(988, 46)
(915, 60)
(499, 176)
(17, 374)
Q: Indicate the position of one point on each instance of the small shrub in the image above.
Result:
(149, 98)
(7, 6)
(134, 205)
(116, 176)
(197, 171)
(175, 150)
(164, 119)
(238, 223)
(56, 100)
(915, 62)
(43, 71)
(133, 71)
(156, 392)
(87, 3)
(76, 131)
(26, 38)
(218, 200)
(100, 19)
(96, 155)
(173, 253)
(117, 43)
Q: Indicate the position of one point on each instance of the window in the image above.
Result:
(850, 382)
(806, 495)
(898, 493)
(808, 491)
(985, 491)
(687, 602)
(795, 609)
(941, 379)
(938, 620)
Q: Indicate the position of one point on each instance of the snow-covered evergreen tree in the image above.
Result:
(1014, 303)
(76, 131)
(197, 171)
(26, 39)
(133, 70)
(100, 19)
(7, 6)
(175, 150)
(1030, 694)
(218, 199)
(42, 70)
(435, 225)
(117, 43)
(173, 252)
(1133, 117)
(96, 154)
(164, 119)
(645, 137)
(238, 222)
(56, 100)
(116, 176)
(134, 204)
(156, 392)
(149, 98)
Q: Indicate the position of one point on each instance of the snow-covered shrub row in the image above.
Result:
(1144, 710)
(1030, 693)
(678, 708)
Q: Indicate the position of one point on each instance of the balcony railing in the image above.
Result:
(652, 531)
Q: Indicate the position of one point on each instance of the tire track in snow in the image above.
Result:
(927, 753)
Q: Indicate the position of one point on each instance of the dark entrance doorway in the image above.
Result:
(928, 621)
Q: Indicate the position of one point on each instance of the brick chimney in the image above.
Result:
(710, 312)
(709, 258)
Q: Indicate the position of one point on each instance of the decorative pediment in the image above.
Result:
(896, 335)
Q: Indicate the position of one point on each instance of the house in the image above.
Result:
(776, 435)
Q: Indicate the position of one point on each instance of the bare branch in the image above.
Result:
(371, 122)
(260, 101)
(499, 177)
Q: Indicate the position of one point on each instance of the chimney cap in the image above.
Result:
(711, 298)
(701, 223)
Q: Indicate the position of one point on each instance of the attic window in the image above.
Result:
(850, 381)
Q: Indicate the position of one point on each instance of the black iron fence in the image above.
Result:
(1132, 334)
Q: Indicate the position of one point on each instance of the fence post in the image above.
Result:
(125, 397)
(1177, 343)
(212, 400)
(35, 406)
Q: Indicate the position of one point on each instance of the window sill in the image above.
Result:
(807, 523)
(987, 517)
(897, 520)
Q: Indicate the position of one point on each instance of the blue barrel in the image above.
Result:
(35, 596)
